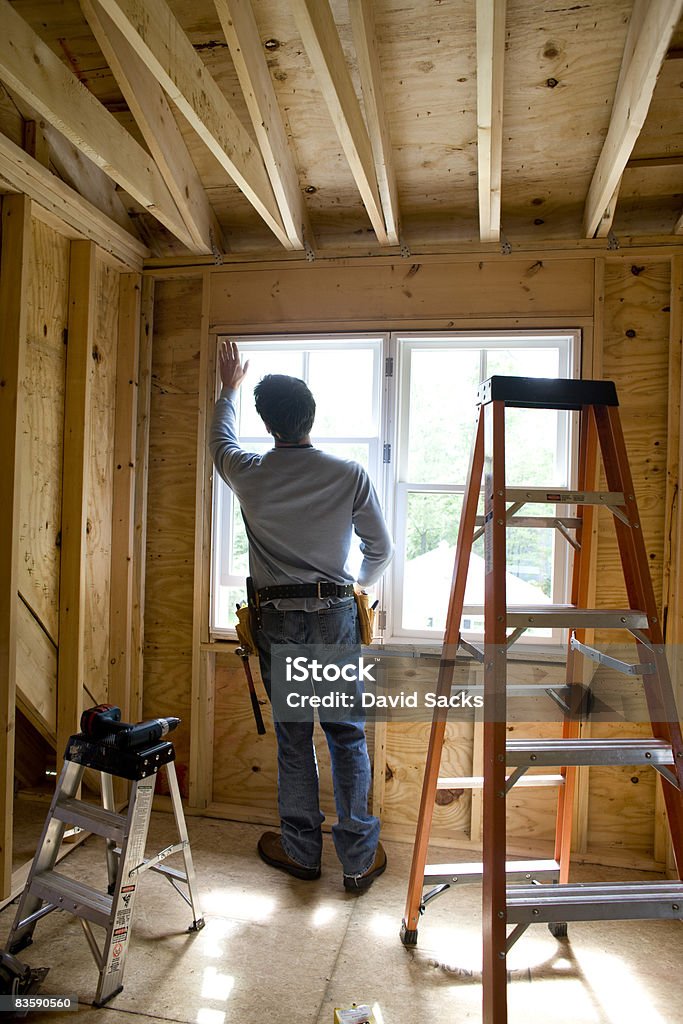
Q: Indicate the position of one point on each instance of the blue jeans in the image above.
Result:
(356, 832)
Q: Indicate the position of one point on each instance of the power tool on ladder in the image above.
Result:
(504, 902)
(130, 751)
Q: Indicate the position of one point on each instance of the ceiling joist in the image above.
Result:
(322, 44)
(643, 57)
(363, 28)
(39, 77)
(242, 36)
(490, 76)
(147, 102)
(635, 26)
(158, 39)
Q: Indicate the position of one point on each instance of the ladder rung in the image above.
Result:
(539, 522)
(563, 496)
(461, 874)
(92, 818)
(566, 615)
(588, 752)
(598, 901)
(77, 898)
(477, 782)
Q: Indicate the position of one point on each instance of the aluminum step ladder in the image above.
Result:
(520, 893)
(126, 837)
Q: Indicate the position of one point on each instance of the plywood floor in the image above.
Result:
(277, 951)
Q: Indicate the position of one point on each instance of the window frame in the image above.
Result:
(221, 511)
(390, 395)
(398, 488)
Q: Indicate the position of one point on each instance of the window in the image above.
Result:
(344, 375)
(436, 384)
(403, 405)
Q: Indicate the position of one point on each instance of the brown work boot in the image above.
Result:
(271, 851)
(356, 883)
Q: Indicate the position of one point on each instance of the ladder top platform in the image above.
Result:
(132, 764)
(546, 392)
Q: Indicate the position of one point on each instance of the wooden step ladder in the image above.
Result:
(126, 836)
(547, 895)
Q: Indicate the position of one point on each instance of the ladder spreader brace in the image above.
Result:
(125, 835)
(519, 905)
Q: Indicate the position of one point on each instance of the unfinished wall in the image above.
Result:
(62, 412)
(609, 296)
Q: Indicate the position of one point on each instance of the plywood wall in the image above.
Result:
(171, 507)
(622, 303)
(41, 477)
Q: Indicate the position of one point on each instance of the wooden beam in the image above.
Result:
(321, 40)
(89, 180)
(36, 74)
(635, 26)
(370, 70)
(140, 510)
(156, 36)
(81, 336)
(123, 495)
(63, 207)
(490, 76)
(203, 663)
(150, 108)
(73, 166)
(631, 104)
(14, 284)
(242, 36)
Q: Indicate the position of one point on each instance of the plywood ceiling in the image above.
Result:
(275, 126)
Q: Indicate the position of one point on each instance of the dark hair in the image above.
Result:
(286, 406)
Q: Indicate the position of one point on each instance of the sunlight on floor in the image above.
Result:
(236, 903)
(323, 915)
(620, 993)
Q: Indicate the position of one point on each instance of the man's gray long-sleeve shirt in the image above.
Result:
(300, 507)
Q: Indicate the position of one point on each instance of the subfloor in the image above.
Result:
(280, 951)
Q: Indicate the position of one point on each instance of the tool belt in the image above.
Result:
(320, 590)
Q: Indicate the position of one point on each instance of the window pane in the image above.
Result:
(523, 362)
(342, 382)
(227, 600)
(357, 452)
(432, 522)
(443, 388)
(431, 530)
(260, 363)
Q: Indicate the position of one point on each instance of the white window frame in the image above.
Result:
(222, 509)
(398, 487)
(391, 390)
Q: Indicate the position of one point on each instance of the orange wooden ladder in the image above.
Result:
(507, 900)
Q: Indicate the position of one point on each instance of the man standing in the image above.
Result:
(300, 507)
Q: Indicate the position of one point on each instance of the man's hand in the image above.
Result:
(231, 370)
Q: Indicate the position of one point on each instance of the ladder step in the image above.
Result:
(539, 522)
(477, 782)
(77, 898)
(462, 874)
(562, 496)
(546, 392)
(566, 616)
(92, 818)
(567, 753)
(623, 901)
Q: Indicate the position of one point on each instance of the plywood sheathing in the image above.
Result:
(171, 506)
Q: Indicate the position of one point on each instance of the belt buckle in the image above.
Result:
(319, 585)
